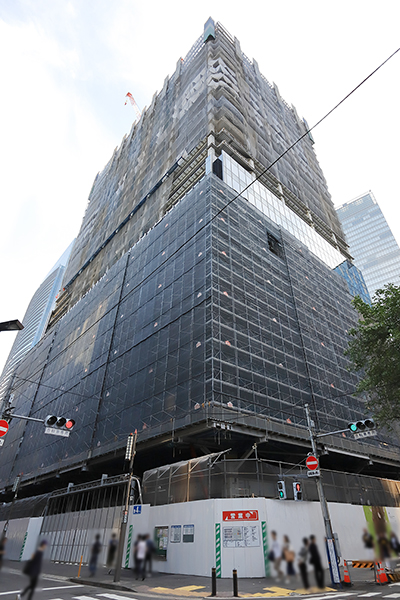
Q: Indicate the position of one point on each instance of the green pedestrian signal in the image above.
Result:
(281, 490)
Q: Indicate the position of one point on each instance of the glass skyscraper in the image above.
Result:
(371, 242)
(202, 305)
(35, 320)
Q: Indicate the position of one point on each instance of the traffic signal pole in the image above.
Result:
(334, 569)
(129, 456)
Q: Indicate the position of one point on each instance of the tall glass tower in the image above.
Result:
(372, 244)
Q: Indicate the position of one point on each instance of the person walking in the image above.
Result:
(112, 550)
(141, 551)
(289, 555)
(275, 555)
(96, 549)
(302, 562)
(32, 569)
(368, 543)
(315, 560)
(2, 549)
(394, 543)
(150, 549)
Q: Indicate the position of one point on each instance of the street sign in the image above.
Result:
(137, 509)
(3, 427)
(363, 434)
(315, 473)
(312, 462)
(53, 431)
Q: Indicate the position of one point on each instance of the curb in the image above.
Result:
(103, 584)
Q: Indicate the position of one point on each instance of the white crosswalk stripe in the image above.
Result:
(392, 596)
(116, 597)
(332, 596)
(61, 587)
(370, 594)
(85, 598)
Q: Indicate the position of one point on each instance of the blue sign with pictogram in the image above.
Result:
(137, 509)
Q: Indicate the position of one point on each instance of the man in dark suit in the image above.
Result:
(315, 560)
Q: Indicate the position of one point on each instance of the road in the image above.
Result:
(56, 589)
(60, 588)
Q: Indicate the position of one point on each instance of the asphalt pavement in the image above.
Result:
(164, 585)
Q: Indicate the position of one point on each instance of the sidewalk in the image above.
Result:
(168, 585)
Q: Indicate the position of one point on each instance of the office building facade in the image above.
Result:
(201, 306)
(35, 320)
(371, 242)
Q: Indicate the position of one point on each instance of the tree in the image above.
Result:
(374, 351)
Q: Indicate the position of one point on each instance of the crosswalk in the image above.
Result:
(384, 595)
(108, 596)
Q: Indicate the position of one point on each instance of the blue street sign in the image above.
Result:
(137, 509)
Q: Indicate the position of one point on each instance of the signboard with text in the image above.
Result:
(240, 515)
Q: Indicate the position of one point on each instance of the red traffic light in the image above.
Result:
(69, 424)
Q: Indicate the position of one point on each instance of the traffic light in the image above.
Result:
(362, 425)
(297, 493)
(59, 422)
(281, 490)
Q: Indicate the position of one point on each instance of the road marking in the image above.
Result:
(369, 594)
(344, 595)
(116, 597)
(181, 591)
(9, 593)
(63, 587)
(392, 596)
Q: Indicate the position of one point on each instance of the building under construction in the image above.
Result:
(202, 304)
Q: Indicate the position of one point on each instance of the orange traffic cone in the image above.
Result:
(384, 577)
(381, 576)
(346, 578)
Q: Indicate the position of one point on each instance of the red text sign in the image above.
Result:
(240, 515)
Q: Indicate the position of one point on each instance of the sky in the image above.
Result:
(66, 66)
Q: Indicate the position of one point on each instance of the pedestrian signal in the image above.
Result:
(357, 426)
(297, 493)
(59, 422)
(281, 490)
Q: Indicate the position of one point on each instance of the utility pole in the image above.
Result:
(129, 456)
(330, 542)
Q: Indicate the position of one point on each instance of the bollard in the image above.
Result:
(235, 583)
(80, 565)
(213, 581)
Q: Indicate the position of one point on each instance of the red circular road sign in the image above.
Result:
(312, 462)
(3, 427)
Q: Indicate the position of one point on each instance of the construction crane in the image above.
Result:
(135, 106)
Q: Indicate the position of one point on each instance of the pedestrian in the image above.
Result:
(384, 546)
(112, 551)
(394, 543)
(275, 555)
(140, 555)
(315, 560)
(2, 549)
(289, 555)
(368, 543)
(150, 549)
(135, 559)
(32, 569)
(96, 549)
(302, 562)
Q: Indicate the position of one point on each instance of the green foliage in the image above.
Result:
(374, 350)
